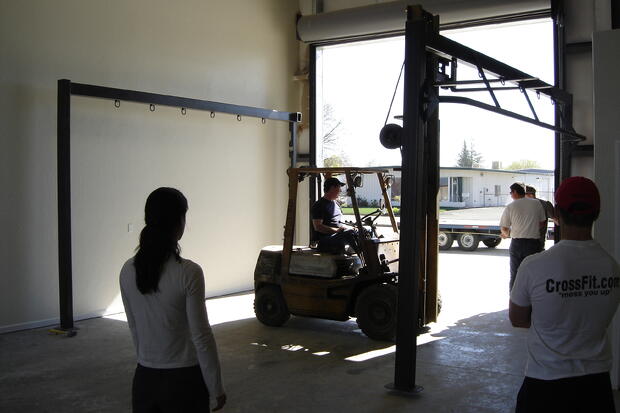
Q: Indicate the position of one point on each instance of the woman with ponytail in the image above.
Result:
(163, 293)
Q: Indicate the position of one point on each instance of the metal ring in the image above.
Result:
(538, 94)
(117, 103)
(152, 107)
(183, 111)
(502, 80)
(263, 120)
(239, 118)
(212, 115)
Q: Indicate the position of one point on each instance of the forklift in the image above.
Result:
(302, 281)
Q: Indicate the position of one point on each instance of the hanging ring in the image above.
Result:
(239, 118)
(263, 120)
(538, 94)
(212, 115)
(152, 107)
(502, 80)
(117, 103)
(183, 111)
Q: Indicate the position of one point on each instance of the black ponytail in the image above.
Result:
(164, 215)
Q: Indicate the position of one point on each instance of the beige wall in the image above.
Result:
(233, 173)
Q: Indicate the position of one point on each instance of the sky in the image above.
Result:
(358, 79)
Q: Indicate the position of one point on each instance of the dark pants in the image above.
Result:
(180, 390)
(519, 249)
(335, 243)
(583, 394)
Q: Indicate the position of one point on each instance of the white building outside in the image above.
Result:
(469, 187)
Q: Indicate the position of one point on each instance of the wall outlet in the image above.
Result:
(130, 227)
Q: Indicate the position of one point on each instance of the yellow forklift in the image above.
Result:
(300, 280)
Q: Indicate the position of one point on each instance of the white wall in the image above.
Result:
(233, 173)
(606, 61)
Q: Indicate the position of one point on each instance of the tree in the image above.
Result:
(333, 161)
(331, 125)
(469, 157)
(523, 164)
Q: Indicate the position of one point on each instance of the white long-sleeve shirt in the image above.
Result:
(170, 328)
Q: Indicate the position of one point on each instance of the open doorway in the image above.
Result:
(481, 153)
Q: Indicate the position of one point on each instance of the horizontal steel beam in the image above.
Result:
(478, 81)
(181, 102)
(471, 102)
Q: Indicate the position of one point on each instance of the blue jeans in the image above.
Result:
(581, 394)
(336, 243)
(519, 249)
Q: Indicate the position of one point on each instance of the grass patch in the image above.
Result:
(363, 211)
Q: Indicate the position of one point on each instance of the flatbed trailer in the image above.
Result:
(468, 236)
(470, 227)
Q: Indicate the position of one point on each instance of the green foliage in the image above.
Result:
(363, 202)
(333, 161)
(523, 164)
(469, 157)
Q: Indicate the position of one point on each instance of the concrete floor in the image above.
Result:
(471, 361)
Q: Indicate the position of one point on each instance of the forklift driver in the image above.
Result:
(329, 233)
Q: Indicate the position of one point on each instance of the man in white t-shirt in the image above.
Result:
(522, 220)
(567, 297)
(530, 192)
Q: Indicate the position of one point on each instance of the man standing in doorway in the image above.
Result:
(328, 231)
(530, 192)
(567, 297)
(522, 220)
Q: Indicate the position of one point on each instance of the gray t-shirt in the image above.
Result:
(574, 290)
(170, 328)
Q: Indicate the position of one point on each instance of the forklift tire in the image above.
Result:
(492, 242)
(444, 240)
(270, 307)
(375, 310)
(468, 242)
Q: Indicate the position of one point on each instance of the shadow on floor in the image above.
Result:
(482, 251)
(308, 365)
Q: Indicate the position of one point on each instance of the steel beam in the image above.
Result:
(181, 102)
(444, 46)
(412, 218)
(504, 112)
(65, 89)
(65, 275)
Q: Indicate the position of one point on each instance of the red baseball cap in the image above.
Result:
(578, 189)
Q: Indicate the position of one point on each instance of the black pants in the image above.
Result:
(335, 243)
(519, 249)
(584, 394)
(181, 390)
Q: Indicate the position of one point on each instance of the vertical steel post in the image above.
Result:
(65, 275)
(312, 187)
(432, 191)
(412, 209)
(559, 68)
(292, 126)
